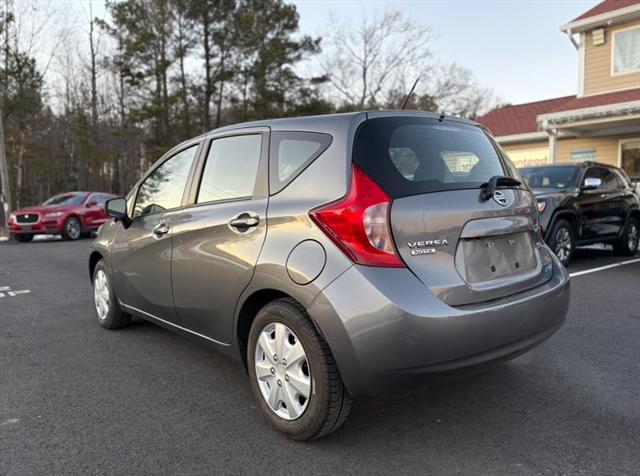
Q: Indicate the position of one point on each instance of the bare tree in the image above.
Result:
(456, 91)
(366, 62)
(374, 64)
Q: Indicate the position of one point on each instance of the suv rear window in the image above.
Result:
(414, 155)
(556, 176)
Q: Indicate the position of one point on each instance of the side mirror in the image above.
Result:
(91, 203)
(117, 208)
(592, 183)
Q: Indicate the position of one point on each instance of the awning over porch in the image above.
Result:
(593, 116)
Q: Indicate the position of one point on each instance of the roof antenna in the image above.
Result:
(410, 93)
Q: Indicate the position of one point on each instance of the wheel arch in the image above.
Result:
(74, 215)
(248, 312)
(93, 261)
(564, 214)
(78, 217)
(635, 213)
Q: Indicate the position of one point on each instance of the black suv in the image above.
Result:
(585, 203)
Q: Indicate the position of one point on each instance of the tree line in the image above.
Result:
(152, 73)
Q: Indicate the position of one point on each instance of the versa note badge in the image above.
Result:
(499, 197)
(426, 247)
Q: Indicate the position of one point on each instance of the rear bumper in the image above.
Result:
(387, 331)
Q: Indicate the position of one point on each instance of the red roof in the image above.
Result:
(519, 119)
(606, 7)
(599, 100)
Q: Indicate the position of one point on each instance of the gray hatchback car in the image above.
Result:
(335, 256)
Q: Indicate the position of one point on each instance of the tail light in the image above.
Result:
(359, 223)
(541, 206)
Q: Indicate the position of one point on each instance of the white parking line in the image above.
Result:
(6, 290)
(601, 268)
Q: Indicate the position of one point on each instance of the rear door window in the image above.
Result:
(609, 180)
(560, 177)
(290, 153)
(100, 198)
(231, 168)
(410, 156)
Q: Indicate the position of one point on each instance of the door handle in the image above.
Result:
(160, 230)
(244, 221)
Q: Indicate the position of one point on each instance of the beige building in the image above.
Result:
(602, 121)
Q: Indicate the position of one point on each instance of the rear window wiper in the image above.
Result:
(497, 181)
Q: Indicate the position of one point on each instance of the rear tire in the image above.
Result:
(72, 229)
(627, 244)
(562, 241)
(328, 402)
(23, 238)
(108, 311)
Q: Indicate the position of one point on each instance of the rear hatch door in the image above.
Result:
(464, 246)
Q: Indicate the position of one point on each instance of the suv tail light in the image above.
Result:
(358, 223)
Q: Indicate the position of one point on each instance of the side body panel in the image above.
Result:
(213, 261)
(141, 264)
(140, 254)
(288, 222)
(601, 213)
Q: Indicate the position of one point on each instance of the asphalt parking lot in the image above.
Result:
(76, 398)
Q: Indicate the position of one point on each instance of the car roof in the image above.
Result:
(80, 192)
(582, 165)
(330, 121)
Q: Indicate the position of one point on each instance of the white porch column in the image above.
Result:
(553, 140)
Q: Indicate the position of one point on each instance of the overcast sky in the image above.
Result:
(514, 47)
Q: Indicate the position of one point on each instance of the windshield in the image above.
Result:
(411, 155)
(549, 177)
(66, 199)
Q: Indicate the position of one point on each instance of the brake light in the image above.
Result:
(541, 206)
(358, 223)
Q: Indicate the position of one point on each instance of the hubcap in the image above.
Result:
(563, 244)
(73, 228)
(282, 371)
(633, 237)
(101, 294)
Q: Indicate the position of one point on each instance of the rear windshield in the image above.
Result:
(558, 177)
(414, 155)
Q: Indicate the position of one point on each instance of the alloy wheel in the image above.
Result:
(72, 227)
(282, 371)
(632, 236)
(101, 294)
(563, 244)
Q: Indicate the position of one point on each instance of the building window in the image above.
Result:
(583, 155)
(626, 51)
(630, 157)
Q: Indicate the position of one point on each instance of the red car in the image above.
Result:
(72, 215)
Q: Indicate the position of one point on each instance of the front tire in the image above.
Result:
(72, 229)
(108, 311)
(23, 238)
(293, 375)
(562, 241)
(627, 244)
